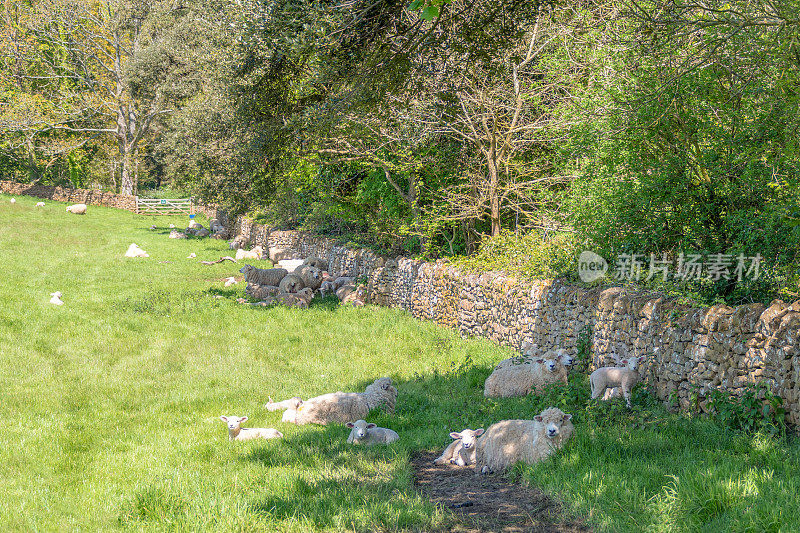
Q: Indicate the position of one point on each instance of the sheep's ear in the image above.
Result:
(538, 418)
(624, 361)
(567, 418)
(540, 360)
(350, 425)
(479, 432)
(370, 426)
(224, 418)
(455, 435)
(243, 419)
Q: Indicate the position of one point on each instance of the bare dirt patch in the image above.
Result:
(489, 503)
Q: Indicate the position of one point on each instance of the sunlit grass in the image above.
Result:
(111, 403)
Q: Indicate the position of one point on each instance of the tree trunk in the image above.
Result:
(494, 199)
(127, 185)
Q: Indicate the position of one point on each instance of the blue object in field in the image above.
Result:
(191, 217)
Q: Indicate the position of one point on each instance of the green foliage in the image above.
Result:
(757, 409)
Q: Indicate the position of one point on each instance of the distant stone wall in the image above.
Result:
(688, 349)
(76, 196)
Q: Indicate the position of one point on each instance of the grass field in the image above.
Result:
(111, 404)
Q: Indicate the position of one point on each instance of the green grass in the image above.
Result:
(111, 405)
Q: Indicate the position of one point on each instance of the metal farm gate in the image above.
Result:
(163, 206)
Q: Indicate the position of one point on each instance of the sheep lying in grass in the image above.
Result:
(263, 276)
(135, 251)
(56, 298)
(625, 377)
(237, 432)
(175, 234)
(369, 434)
(291, 283)
(39, 204)
(357, 298)
(77, 209)
(509, 441)
(343, 407)
(261, 292)
(13, 200)
(257, 252)
(202, 232)
(531, 356)
(462, 450)
(311, 276)
(316, 262)
(230, 281)
(301, 298)
(238, 242)
(216, 226)
(524, 378)
(333, 285)
(291, 406)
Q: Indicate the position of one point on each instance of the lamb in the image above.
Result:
(316, 262)
(77, 209)
(56, 298)
(369, 434)
(255, 253)
(13, 200)
(625, 377)
(202, 232)
(260, 292)
(356, 298)
(300, 299)
(263, 276)
(175, 234)
(230, 281)
(311, 276)
(343, 407)
(333, 285)
(291, 406)
(326, 288)
(462, 450)
(522, 379)
(135, 251)
(291, 283)
(39, 204)
(238, 242)
(237, 432)
(191, 255)
(509, 441)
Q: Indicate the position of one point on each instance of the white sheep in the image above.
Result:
(509, 441)
(56, 298)
(343, 407)
(172, 226)
(357, 298)
(291, 283)
(291, 406)
(255, 253)
(237, 432)
(238, 242)
(191, 255)
(263, 276)
(369, 434)
(462, 450)
(230, 281)
(625, 377)
(175, 234)
(39, 204)
(531, 375)
(77, 209)
(13, 200)
(311, 276)
(135, 251)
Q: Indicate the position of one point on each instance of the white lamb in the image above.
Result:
(291, 406)
(135, 251)
(56, 298)
(509, 441)
(625, 377)
(369, 434)
(524, 378)
(39, 204)
(256, 253)
(462, 450)
(343, 407)
(237, 432)
(77, 209)
(13, 200)
(230, 281)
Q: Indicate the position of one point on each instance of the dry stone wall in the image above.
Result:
(64, 194)
(688, 349)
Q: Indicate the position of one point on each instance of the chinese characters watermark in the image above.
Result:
(637, 267)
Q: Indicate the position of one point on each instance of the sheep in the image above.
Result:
(77, 209)
(202, 232)
(356, 298)
(195, 224)
(135, 251)
(175, 234)
(529, 376)
(263, 276)
(13, 200)
(230, 281)
(39, 204)
(343, 407)
(56, 298)
(279, 254)
(369, 434)
(191, 255)
(261, 292)
(316, 262)
(291, 283)
(216, 226)
(345, 290)
(509, 441)
(311, 276)
(624, 377)
(238, 242)
(291, 406)
(462, 450)
(237, 432)
(326, 288)
(255, 253)
(300, 299)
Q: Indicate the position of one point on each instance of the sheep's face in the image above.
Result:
(551, 365)
(245, 269)
(234, 422)
(553, 424)
(291, 286)
(633, 363)
(565, 358)
(360, 427)
(468, 437)
(360, 293)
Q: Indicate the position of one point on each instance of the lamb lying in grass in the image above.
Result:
(462, 450)
(369, 434)
(357, 298)
(13, 200)
(56, 298)
(343, 407)
(625, 377)
(230, 281)
(77, 209)
(257, 252)
(237, 432)
(522, 379)
(509, 441)
(135, 251)
(291, 405)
